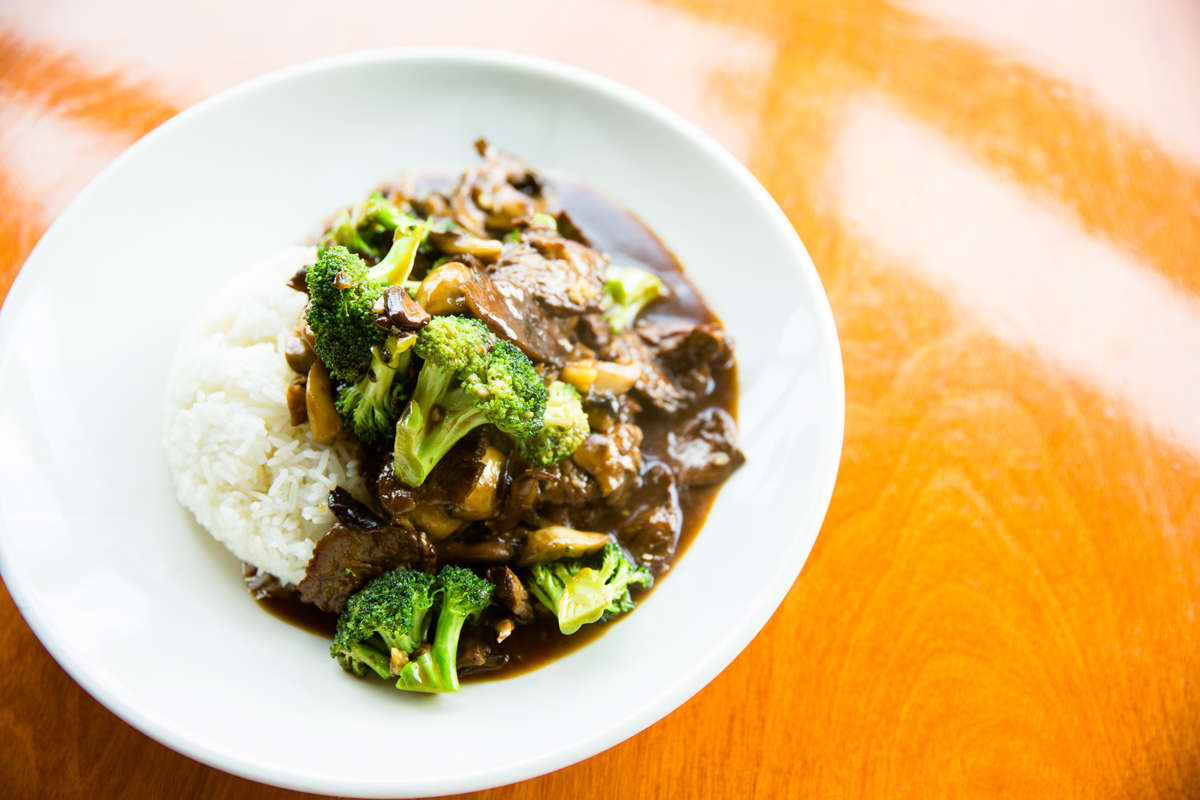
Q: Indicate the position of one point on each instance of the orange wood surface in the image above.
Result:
(1002, 198)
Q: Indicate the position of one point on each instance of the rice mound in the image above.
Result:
(259, 485)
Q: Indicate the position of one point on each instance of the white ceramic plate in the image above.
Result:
(150, 616)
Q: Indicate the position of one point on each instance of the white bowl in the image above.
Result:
(150, 616)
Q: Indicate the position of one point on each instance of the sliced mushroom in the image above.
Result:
(616, 378)
(434, 520)
(483, 501)
(555, 542)
(323, 417)
(298, 354)
(297, 403)
(510, 592)
(441, 291)
(491, 552)
(603, 376)
(457, 243)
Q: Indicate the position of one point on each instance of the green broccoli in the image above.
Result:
(342, 291)
(468, 379)
(368, 229)
(465, 596)
(371, 405)
(627, 291)
(583, 590)
(566, 427)
(389, 613)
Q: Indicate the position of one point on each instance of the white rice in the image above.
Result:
(259, 485)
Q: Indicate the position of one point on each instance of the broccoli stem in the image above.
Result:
(418, 448)
(436, 670)
(372, 658)
(395, 267)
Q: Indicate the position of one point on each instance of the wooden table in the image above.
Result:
(1003, 202)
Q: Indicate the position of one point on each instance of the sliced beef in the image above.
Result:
(685, 346)
(506, 310)
(677, 358)
(449, 483)
(651, 529)
(346, 558)
(496, 194)
(565, 277)
(565, 483)
(704, 449)
(655, 385)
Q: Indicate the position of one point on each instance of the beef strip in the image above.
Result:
(654, 519)
(497, 193)
(684, 346)
(346, 558)
(677, 358)
(505, 309)
(654, 385)
(565, 277)
(704, 449)
(566, 483)
(448, 484)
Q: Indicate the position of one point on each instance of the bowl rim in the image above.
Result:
(719, 657)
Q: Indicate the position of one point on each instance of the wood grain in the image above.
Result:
(1002, 601)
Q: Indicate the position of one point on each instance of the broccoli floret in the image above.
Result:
(565, 429)
(389, 613)
(627, 291)
(465, 596)
(368, 229)
(342, 290)
(371, 405)
(468, 379)
(580, 591)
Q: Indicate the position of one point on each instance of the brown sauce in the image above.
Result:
(613, 230)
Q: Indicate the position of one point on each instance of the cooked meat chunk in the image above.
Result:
(507, 312)
(613, 459)
(565, 483)
(651, 530)
(677, 359)
(565, 277)
(655, 385)
(497, 193)
(683, 346)
(510, 592)
(346, 558)
(704, 449)
(690, 352)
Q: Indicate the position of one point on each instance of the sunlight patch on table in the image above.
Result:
(50, 158)
(1140, 60)
(1020, 266)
